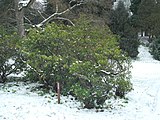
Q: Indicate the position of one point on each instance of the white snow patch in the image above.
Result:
(18, 103)
(127, 3)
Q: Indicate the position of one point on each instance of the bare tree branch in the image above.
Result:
(57, 14)
(30, 3)
(41, 14)
(56, 7)
(61, 18)
(27, 19)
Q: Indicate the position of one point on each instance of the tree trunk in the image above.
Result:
(20, 19)
(141, 33)
(3, 78)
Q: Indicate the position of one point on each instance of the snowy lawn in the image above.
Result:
(18, 103)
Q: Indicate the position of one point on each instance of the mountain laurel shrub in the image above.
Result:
(86, 60)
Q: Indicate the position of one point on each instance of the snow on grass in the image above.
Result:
(18, 103)
(145, 99)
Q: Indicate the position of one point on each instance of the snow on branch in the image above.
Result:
(66, 19)
(109, 73)
(25, 4)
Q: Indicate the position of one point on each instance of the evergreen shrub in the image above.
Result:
(10, 57)
(130, 46)
(86, 60)
(155, 48)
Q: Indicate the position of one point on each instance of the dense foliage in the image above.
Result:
(146, 14)
(135, 6)
(86, 60)
(10, 60)
(7, 14)
(155, 48)
(98, 9)
(121, 25)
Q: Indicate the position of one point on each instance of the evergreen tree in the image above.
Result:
(134, 9)
(146, 14)
(97, 9)
(121, 25)
(135, 6)
(145, 11)
(7, 14)
(118, 19)
(155, 17)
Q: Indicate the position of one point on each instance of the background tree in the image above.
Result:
(135, 6)
(155, 48)
(7, 15)
(97, 9)
(145, 16)
(21, 6)
(58, 10)
(120, 24)
(145, 11)
(118, 19)
(134, 18)
(155, 32)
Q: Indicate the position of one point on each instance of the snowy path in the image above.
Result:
(146, 79)
(144, 100)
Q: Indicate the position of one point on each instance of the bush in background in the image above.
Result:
(130, 46)
(10, 60)
(155, 48)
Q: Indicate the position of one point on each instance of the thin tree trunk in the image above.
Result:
(20, 19)
(20, 15)
(141, 33)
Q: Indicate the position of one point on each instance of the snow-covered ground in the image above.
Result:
(18, 103)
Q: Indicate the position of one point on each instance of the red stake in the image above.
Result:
(58, 92)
